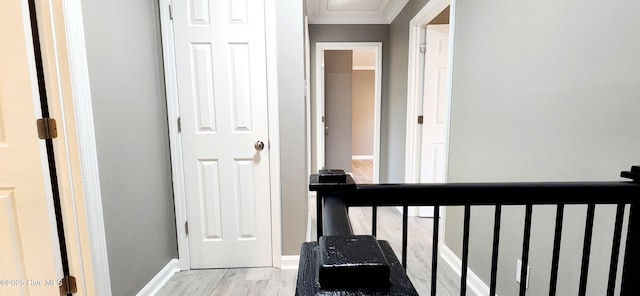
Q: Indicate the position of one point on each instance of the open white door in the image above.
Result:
(29, 252)
(435, 108)
(222, 88)
(321, 129)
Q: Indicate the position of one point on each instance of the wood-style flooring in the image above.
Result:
(237, 281)
(419, 246)
(362, 171)
(277, 282)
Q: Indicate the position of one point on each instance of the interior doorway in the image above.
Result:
(428, 97)
(362, 114)
(348, 92)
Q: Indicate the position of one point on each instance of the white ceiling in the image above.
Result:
(353, 11)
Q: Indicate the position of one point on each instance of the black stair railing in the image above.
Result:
(336, 192)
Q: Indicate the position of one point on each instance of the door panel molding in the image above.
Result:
(435, 104)
(169, 60)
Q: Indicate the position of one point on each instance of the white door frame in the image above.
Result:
(79, 74)
(415, 82)
(414, 85)
(307, 103)
(82, 209)
(173, 113)
(320, 139)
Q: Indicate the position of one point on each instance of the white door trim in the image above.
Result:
(319, 139)
(173, 113)
(79, 74)
(273, 103)
(307, 100)
(414, 85)
(320, 48)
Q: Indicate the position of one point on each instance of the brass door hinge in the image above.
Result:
(420, 119)
(68, 285)
(47, 128)
(186, 227)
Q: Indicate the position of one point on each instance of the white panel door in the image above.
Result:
(222, 87)
(435, 108)
(28, 249)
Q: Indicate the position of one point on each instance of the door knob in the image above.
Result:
(258, 145)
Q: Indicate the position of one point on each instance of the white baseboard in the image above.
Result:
(475, 285)
(361, 157)
(289, 262)
(158, 281)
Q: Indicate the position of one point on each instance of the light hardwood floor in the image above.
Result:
(277, 282)
(237, 281)
(419, 247)
(362, 170)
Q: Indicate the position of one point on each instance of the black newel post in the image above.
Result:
(329, 182)
(631, 270)
(341, 263)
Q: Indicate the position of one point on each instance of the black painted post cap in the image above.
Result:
(331, 180)
(634, 174)
(352, 261)
(332, 176)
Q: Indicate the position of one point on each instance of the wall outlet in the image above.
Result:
(519, 274)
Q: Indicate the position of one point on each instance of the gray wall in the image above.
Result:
(362, 110)
(337, 108)
(126, 76)
(354, 33)
(552, 100)
(395, 116)
(293, 170)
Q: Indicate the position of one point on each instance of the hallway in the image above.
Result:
(362, 170)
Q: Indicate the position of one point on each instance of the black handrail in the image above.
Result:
(336, 221)
(460, 194)
(338, 196)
